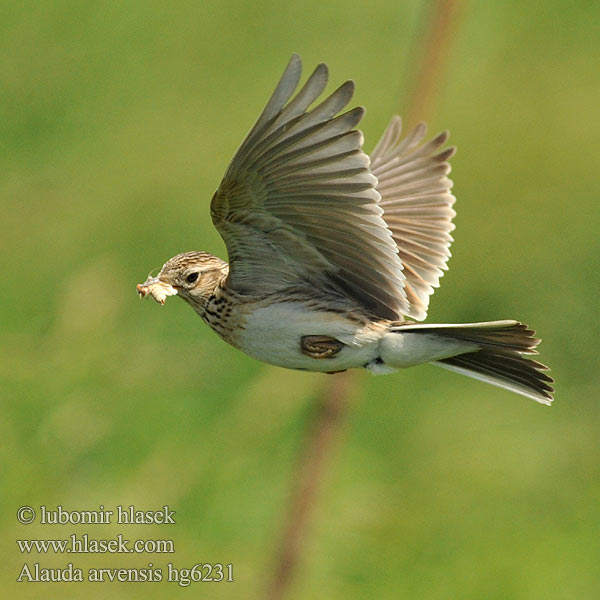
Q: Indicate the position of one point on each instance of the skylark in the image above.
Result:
(330, 251)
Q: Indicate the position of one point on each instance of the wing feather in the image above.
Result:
(415, 196)
(299, 205)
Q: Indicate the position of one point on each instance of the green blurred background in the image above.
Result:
(116, 123)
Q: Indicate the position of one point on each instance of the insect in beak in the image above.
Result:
(159, 290)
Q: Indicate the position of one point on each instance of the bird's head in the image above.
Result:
(192, 275)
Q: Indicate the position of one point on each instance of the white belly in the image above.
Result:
(399, 350)
(273, 335)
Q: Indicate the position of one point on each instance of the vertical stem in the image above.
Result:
(333, 405)
(321, 435)
(439, 31)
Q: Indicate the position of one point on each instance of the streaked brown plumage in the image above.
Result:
(330, 251)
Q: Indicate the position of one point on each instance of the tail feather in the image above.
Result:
(499, 360)
(521, 378)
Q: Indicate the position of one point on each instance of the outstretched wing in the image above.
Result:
(417, 203)
(298, 202)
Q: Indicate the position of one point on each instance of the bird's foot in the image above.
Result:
(320, 346)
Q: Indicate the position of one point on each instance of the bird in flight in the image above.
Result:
(333, 254)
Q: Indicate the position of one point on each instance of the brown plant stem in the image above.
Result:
(332, 407)
(321, 435)
(439, 31)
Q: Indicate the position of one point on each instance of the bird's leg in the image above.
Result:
(320, 346)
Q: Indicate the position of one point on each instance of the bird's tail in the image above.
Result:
(496, 356)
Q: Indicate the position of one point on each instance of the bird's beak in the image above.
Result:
(159, 290)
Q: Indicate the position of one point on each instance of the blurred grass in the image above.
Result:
(116, 123)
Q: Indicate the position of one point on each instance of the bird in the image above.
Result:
(333, 255)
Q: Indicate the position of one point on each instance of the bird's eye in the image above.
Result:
(192, 277)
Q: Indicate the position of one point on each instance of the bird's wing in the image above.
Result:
(417, 203)
(298, 202)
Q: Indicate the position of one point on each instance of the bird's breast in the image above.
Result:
(272, 333)
(222, 313)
